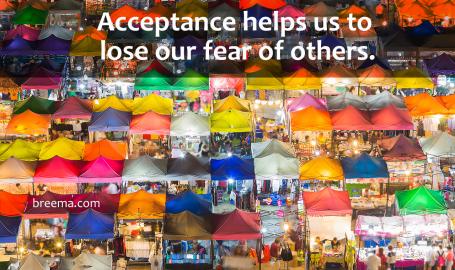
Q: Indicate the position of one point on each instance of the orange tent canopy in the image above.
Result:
(91, 32)
(158, 10)
(424, 105)
(126, 11)
(141, 205)
(106, 148)
(150, 123)
(310, 119)
(6, 5)
(275, 4)
(29, 123)
(448, 102)
(12, 204)
(355, 10)
(413, 9)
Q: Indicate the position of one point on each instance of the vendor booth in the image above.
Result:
(188, 131)
(62, 147)
(321, 169)
(420, 200)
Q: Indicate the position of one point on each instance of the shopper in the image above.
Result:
(430, 257)
(440, 259)
(373, 262)
(391, 258)
(449, 258)
(383, 258)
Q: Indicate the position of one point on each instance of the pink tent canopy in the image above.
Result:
(290, 11)
(48, 205)
(327, 202)
(391, 118)
(57, 169)
(43, 79)
(305, 101)
(74, 108)
(237, 225)
(25, 32)
(400, 148)
(106, 203)
(102, 170)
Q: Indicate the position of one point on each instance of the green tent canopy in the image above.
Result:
(36, 105)
(191, 80)
(30, 15)
(153, 80)
(420, 201)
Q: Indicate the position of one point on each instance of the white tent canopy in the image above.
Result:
(340, 102)
(270, 147)
(382, 100)
(440, 144)
(190, 124)
(328, 227)
(224, 10)
(92, 261)
(276, 167)
(57, 31)
(145, 168)
(35, 262)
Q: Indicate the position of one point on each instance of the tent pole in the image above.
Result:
(259, 252)
(387, 196)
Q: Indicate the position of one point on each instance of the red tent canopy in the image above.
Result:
(48, 205)
(400, 148)
(350, 118)
(43, 79)
(391, 118)
(57, 169)
(150, 123)
(100, 202)
(275, 4)
(327, 202)
(237, 225)
(74, 108)
(12, 205)
(102, 170)
(158, 66)
(127, 12)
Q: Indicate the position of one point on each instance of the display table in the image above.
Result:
(402, 264)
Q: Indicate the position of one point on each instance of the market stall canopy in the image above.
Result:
(424, 105)
(192, 11)
(420, 201)
(141, 205)
(190, 124)
(383, 63)
(276, 167)
(26, 32)
(93, 261)
(232, 103)
(413, 10)
(42, 79)
(7, 6)
(440, 144)
(35, 104)
(191, 41)
(62, 147)
(29, 123)
(320, 9)
(145, 168)
(90, 224)
(127, 12)
(150, 123)
(21, 149)
(153, 80)
(224, 10)
(230, 121)
(114, 102)
(189, 201)
(356, 11)
(402, 148)
(101, 202)
(188, 168)
(237, 225)
(302, 79)
(34, 262)
(7, 84)
(327, 202)
(9, 229)
(310, 119)
(57, 169)
(272, 147)
(444, 64)
(382, 100)
(256, 64)
(46, 206)
(62, 5)
(16, 171)
(364, 166)
(191, 80)
(101, 170)
(90, 32)
(290, 11)
(263, 80)
(53, 45)
(105, 148)
(232, 168)
(305, 101)
(332, 42)
(154, 103)
(30, 15)
(322, 168)
(12, 205)
(376, 76)
(391, 118)
(340, 102)
(57, 31)
(187, 226)
(146, 66)
(110, 120)
(412, 78)
(448, 102)
(246, 4)
(85, 47)
(18, 47)
(74, 108)
(351, 118)
(159, 10)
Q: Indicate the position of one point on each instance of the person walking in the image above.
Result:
(373, 262)
(440, 259)
(430, 257)
(391, 258)
(449, 258)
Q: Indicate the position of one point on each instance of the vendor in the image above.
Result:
(336, 244)
(317, 246)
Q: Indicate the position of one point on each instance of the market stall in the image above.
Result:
(73, 108)
(29, 123)
(101, 170)
(323, 169)
(145, 171)
(188, 201)
(62, 147)
(420, 200)
(35, 104)
(188, 130)
(17, 172)
(115, 150)
(57, 174)
(110, 120)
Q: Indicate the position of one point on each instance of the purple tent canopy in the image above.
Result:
(330, 41)
(110, 120)
(53, 45)
(444, 64)
(18, 47)
(306, 101)
(294, 65)
(190, 40)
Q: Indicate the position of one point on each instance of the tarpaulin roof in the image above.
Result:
(154, 103)
(413, 9)
(263, 80)
(444, 9)
(376, 75)
(107, 203)
(276, 167)
(94, 261)
(191, 80)
(448, 102)
(320, 9)
(327, 202)
(351, 118)
(439, 144)
(364, 166)
(101, 170)
(237, 225)
(271, 147)
(62, 147)
(29, 123)
(153, 80)
(53, 45)
(412, 78)
(67, 5)
(256, 64)
(74, 108)
(322, 168)
(126, 11)
(330, 41)
(23, 31)
(91, 32)
(310, 119)
(444, 64)
(145, 168)
(155, 64)
(246, 4)
(191, 41)
(189, 201)
(14, 170)
(110, 120)
(401, 148)
(391, 118)
(150, 123)
(302, 79)
(423, 105)
(159, 10)
(187, 226)
(34, 262)
(141, 205)
(376, 61)
(21, 149)
(12, 204)
(233, 167)
(58, 170)
(43, 79)
(223, 11)
(30, 15)
(85, 47)
(232, 103)
(382, 100)
(425, 29)
(6, 5)
(57, 31)
(35, 104)
(188, 168)
(339, 76)
(47, 205)
(336, 103)
(9, 229)
(230, 121)
(356, 11)
(420, 200)
(304, 101)
(105, 148)
(18, 47)
(190, 124)
(192, 10)
(113, 102)
(90, 224)
(290, 11)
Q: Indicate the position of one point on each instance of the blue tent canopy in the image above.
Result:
(18, 47)
(257, 12)
(424, 29)
(330, 41)
(364, 166)
(9, 228)
(110, 120)
(189, 201)
(90, 224)
(189, 41)
(232, 168)
(376, 61)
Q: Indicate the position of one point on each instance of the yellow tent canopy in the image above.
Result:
(310, 119)
(141, 205)
(263, 80)
(197, 3)
(231, 121)
(154, 103)
(102, 104)
(302, 79)
(232, 103)
(20, 149)
(85, 47)
(192, 11)
(376, 75)
(62, 147)
(29, 123)
(322, 168)
(412, 78)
